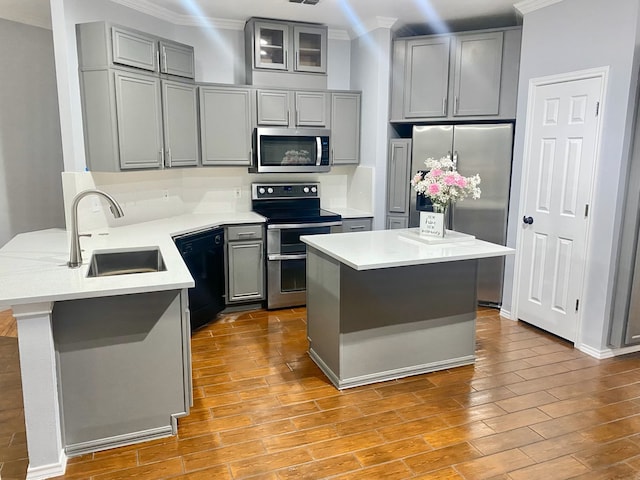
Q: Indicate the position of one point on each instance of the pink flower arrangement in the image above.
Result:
(443, 185)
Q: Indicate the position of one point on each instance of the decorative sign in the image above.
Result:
(432, 223)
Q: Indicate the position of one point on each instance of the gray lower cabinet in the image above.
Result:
(225, 125)
(124, 368)
(245, 263)
(398, 186)
(345, 128)
(292, 108)
(363, 224)
(395, 222)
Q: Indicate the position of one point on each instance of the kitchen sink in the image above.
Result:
(124, 262)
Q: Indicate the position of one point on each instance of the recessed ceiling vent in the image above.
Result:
(307, 2)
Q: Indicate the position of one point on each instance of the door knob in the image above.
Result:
(527, 220)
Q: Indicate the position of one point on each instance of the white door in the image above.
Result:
(558, 170)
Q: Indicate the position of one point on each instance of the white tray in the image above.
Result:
(450, 236)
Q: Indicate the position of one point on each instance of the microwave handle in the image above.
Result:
(318, 151)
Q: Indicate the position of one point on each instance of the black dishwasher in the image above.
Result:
(203, 253)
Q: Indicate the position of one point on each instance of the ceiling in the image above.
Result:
(352, 16)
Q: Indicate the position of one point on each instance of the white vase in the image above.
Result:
(432, 224)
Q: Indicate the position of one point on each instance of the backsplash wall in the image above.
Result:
(150, 195)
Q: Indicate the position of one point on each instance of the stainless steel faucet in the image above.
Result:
(75, 256)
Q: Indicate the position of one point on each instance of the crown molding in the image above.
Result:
(335, 34)
(372, 24)
(148, 8)
(528, 6)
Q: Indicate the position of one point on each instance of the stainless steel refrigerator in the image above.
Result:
(485, 149)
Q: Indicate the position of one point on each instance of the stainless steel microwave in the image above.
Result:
(291, 150)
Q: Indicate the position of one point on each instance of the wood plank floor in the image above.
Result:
(531, 407)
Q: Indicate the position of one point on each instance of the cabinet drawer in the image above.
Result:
(356, 224)
(244, 232)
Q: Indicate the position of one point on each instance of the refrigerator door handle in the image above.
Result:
(449, 155)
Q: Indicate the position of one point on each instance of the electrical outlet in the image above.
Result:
(238, 192)
(165, 195)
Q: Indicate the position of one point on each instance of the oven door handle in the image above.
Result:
(277, 257)
(290, 226)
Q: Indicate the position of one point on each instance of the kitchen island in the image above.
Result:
(105, 361)
(387, 304)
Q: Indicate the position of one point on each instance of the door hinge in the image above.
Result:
(577, 304)
(586, 210)
(597, 108)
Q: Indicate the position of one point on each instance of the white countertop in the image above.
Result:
(346, 212)
(386, 248)
(33, 265)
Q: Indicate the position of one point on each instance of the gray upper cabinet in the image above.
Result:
(139, 125)
(465, 76)
(134, 49)
(134, 120)
(180, 122)
(292, 109)
(103, 45)
(310, 48)
(427, 78)
(271, 45)
(345, 128)
(225, 125)
(285, 54)
(476, 73)
(177, 59)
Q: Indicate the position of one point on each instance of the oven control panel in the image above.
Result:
(264, 191)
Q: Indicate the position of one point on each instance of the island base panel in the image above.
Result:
(121, 369)
(376, 325)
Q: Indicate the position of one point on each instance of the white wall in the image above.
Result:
(370, 72)
(575, 35)
(30, 146)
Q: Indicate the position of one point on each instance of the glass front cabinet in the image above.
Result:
(271, 46)
(289, 47)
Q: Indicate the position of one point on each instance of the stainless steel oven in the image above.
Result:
(292, 210)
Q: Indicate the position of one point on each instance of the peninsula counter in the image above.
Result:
(381, 305)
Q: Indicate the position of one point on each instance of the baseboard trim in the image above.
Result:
(119, 440)
(48, 471)
(389, 374)
(506, 314)
(607, 352)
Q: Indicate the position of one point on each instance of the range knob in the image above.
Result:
(269, 190)
(314, 189)
(305, 189)
(261, 190)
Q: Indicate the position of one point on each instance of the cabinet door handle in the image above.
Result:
(250, 154)
(161, 152)
(247, 234)
(333, 157)
(456, 105)
(288, 117)
(297, 60)
(444, 106)
(455, 160)
(357, 227)
(169, 158)
(164, 60)
(297, 117)
(286, 57)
